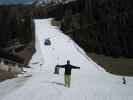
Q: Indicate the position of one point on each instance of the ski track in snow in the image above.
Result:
(90, 82)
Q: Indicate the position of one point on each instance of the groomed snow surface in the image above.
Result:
(90, 82)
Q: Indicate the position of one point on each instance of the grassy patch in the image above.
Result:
(119, 66)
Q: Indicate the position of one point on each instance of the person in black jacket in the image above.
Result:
(67, 75)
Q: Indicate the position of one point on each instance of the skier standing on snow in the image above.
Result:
(124, 80)
(67, 75)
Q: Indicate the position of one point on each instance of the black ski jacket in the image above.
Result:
(68, 68)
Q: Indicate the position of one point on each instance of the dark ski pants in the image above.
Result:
(67, 80)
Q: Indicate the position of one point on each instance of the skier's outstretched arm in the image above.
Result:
(75, 67)
(60, 66)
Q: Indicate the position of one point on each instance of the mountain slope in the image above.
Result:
(90, 82)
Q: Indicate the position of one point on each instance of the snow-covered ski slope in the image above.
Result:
(90, 82)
